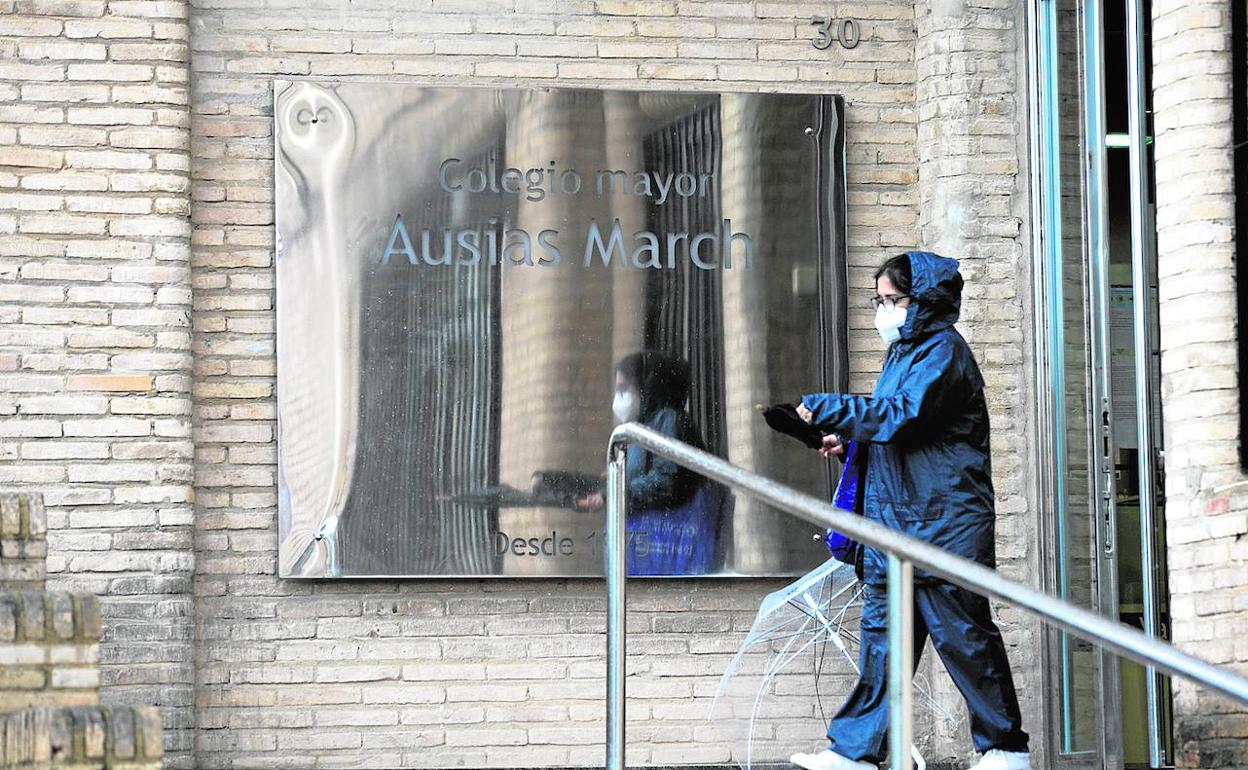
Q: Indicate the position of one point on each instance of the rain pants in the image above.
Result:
(929, 475)
(968, 643)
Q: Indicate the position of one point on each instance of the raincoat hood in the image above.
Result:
(668, 505)
(925, 427)
(935, 294)
(662, 380)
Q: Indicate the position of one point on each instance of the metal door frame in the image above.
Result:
(1050, 342)
(1142, 242)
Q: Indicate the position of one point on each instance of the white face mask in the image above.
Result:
(888, 322)
(626, 405)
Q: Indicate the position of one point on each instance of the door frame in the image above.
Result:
(1143, 266)
(1050, 377)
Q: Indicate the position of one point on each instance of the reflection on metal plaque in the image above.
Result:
(473, 283)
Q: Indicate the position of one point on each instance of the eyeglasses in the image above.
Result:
(888, 302)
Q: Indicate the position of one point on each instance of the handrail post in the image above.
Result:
(613, 543)
(900, 661)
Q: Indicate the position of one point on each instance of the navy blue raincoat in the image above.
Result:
(654, 481)
(673, 514)
(929, 473)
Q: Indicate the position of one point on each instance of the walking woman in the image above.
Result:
(929, 475)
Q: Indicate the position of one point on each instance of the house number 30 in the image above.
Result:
(829, 29)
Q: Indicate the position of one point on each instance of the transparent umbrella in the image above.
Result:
(795, 667)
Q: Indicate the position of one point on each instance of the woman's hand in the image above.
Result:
(832, 446)
(805, 413)
(595, 502)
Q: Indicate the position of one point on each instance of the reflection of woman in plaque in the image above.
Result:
(673, 516)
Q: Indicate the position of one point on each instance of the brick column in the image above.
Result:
(967, 97)
(1206, 493)
(95, 295)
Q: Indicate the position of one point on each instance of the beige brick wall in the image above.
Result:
(973, 203)
(471, 674)
(95, 344)
(1206, 493)
(23, 542)
(81, 738)
(49, 649)
(95, 372)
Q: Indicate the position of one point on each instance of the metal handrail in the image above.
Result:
(904, 552)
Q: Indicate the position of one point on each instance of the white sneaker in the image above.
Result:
(996, 759)
(829, 760)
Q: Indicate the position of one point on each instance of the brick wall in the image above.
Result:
(96, 380)
(80, 738)
(49, 648)
(49, 667)
(95, 359)
(1206, 493)
(470, 673)
(23, 542)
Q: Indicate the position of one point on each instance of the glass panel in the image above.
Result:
(1072, 373)
(1137, 701)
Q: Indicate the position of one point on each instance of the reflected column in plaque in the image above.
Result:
(625, 126)
(768, 345)
(557, 336)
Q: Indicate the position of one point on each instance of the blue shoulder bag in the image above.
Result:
(848, 497)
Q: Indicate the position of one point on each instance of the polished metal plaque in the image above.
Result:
(472, 281)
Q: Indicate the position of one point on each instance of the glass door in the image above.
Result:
(1074, 391)
(1099, 374)
(1135, 375)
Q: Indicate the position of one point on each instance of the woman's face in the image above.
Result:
(888, 294)
(627, 402)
